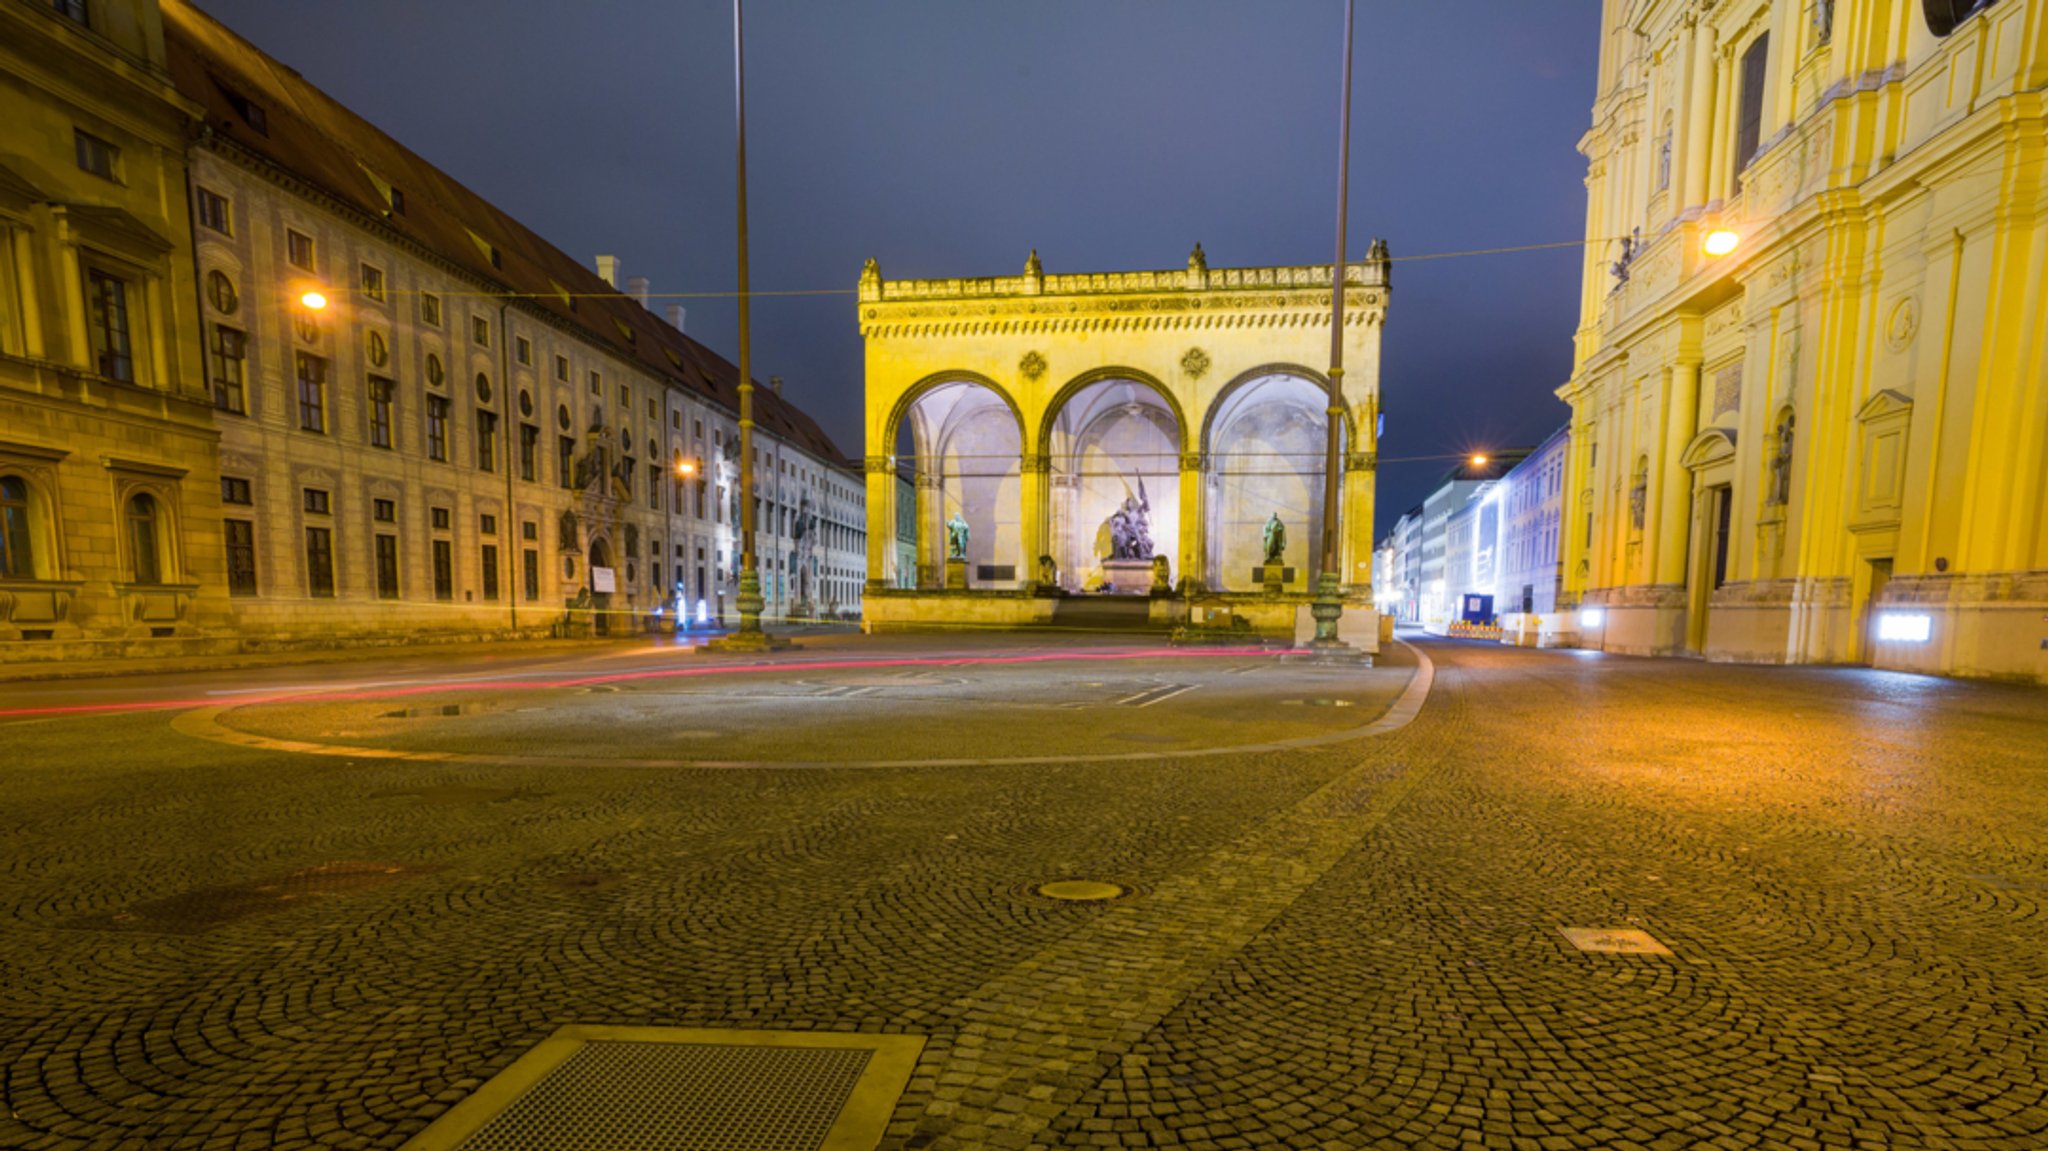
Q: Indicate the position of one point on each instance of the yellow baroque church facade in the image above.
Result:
(1829, 442)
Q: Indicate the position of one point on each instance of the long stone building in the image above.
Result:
(1829, 441)
(475, 434)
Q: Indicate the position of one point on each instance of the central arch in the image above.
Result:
(1112, 442)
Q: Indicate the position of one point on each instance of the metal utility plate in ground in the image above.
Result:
(593, 1088)
(1614, 940)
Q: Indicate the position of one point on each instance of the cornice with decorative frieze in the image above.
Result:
(1149, 313)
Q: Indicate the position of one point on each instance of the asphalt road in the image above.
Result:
(317, 905)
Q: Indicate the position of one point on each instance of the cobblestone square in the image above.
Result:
(317, 906)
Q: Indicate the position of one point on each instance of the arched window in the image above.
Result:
(17, 554)
(146, 561)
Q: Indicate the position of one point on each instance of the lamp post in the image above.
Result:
(749, 637)
(1329, 600)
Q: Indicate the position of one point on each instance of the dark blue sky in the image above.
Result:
(947, 138)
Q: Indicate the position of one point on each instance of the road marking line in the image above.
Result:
(1181, 690)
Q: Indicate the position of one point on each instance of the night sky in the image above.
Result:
(948, 139)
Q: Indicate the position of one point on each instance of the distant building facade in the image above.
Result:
(1826, 444)
(1531, 503)
(464, 432)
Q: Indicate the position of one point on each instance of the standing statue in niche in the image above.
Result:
(1274, 540)
(1130, 527)
(956, 539)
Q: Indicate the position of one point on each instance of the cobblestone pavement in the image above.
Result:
(1335, 942)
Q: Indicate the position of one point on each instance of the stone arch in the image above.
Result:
(1050, 413)
(1265, 451)
(917, 391)
(966, 440)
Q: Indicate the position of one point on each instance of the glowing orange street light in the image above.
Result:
(686, 467)
(313, 298)
(1720, 242)
(1479, 461)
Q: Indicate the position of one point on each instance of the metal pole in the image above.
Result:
(1329, 604)
(749, 598)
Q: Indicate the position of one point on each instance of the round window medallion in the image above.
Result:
(379, 353)
(562, 416)
(221, 291)
(483, 388)
(525, 403)
(436, 374)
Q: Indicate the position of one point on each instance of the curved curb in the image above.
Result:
(205, 723)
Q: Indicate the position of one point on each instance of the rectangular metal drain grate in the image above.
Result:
(591, 1088)
(1614, 940)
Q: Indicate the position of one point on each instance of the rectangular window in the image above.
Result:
(565, 461)
(73, 10)
(596, 384)
(562, 367)
(625, 402)
(654, 486)
(227, 356)
(486, 440)
(440, 518)
(437, 428)
(96, 155)
(528, 530)
(430, 309)
(298, 248)
(1749, 120)
(384, 511)
(212, 210)
(523, 350)
(490, 571)
(241, 556)
(529, 452)
(373, 281)
(625, 475)
(316, 501)
(487, 524)
(320, 562)
(529, 572)
(235, 490)
(480, 331)
(700, 498)
(444, 570)
(108, 297)
(387, 567)
(380, 412)
(312, 372)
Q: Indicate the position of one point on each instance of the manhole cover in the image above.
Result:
(597, 1088)
(192, 912)
(1077, 891)
(1614, 940)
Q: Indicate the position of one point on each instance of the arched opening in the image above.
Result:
(967, 444)
(1113, 448)
(1267, 453)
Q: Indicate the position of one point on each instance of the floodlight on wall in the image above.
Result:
(1905, 627)
(313, 298)
(1479, 460)
(1591, 617)
(1720, 242)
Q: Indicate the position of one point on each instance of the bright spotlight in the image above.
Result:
(1720, 242)
(313, 299)
(1591, 617)
(1479, 461)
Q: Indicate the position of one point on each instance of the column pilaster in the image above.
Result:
(1194, 520)
(881, 512)
(1034, 474)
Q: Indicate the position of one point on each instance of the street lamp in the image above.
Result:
(1721, 241)
(313, 298)
(1479, 461)
(749, 637)
(686, 468)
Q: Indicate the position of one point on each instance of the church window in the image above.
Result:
(1750, 118)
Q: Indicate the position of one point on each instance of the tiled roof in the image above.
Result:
(266, 108)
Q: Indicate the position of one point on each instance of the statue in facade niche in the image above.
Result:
(956, 539)
(1781, 463)
(1274, 540)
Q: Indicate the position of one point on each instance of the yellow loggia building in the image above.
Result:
(1830, 443)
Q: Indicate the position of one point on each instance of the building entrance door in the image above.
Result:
(603, 582)
(1710, 569)
(1866, 623)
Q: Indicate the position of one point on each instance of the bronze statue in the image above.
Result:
(1275, 540)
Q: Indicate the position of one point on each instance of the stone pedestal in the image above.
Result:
(1127, 577)
(956, 575)
(1272, 578)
